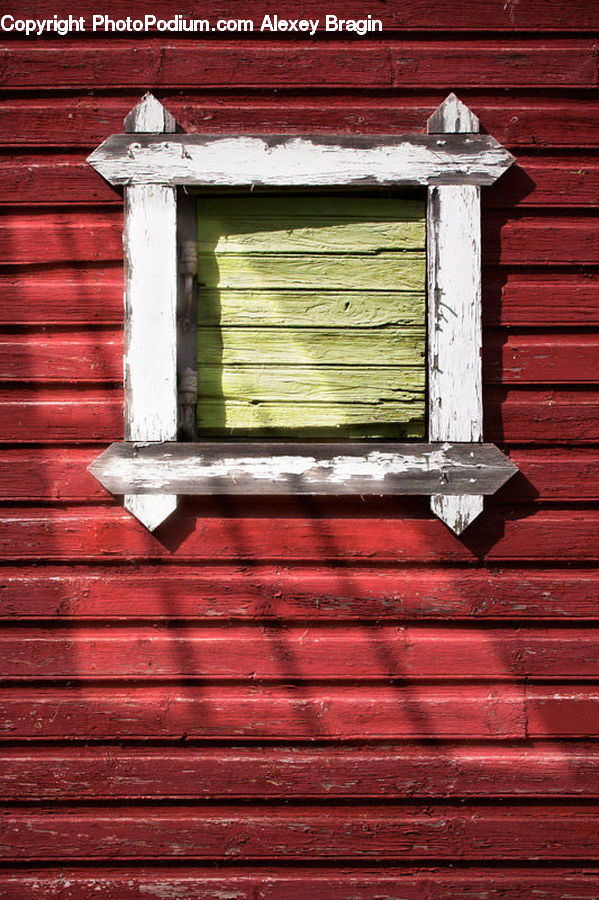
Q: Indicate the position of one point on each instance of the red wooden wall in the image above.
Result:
(278, 700)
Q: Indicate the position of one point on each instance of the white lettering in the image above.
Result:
(358, 26)
(43, 26)
(178, 23)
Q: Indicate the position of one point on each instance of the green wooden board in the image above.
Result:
(311, 316)
(350, 271)
(311, 308)
(307, 235)
(326, 419)
(312, 346)
(341, 384)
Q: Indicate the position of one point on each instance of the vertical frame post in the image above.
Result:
(187, 317)
(150, 247)
(454, 314)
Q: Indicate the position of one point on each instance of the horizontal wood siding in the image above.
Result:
(331, 697)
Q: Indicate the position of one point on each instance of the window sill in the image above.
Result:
(302, 467)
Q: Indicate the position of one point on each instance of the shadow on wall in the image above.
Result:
(283, 686)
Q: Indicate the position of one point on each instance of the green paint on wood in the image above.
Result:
(311, 316)
(239, 419)
(310, 308)
(341, 384)
(312, 346)
(337, 271)
(307, 235)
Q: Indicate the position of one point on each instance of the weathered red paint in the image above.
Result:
(266, 694)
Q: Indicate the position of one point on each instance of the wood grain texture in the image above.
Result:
(269, 652)
(201, 64)
(275, 377)
(360, 383)
(402, 414)
(525, 120)
(385, 346)
(407, 831)
(445, 882)
(306, 307)
(393, 772)
(319, 535)
(263, 712)
(218, 593)
(364, 832)
(339, 272)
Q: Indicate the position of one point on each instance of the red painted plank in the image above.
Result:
(202, 64)
(408, 832)
(565, 712)
(274, 652)
(33, 180)
(49, 474)
(571, 474)
(62, 415)
(550, 298)
(533, 358)
(374, 534)
(285, 595)
(93, 294)
(89, 295)
(59, 237)
(526, 120)
(540, 240)
(287, 712)
(443, 883)
(551, 181)
(39, 416)
(297, 773)
(95, 356)
(541, 416)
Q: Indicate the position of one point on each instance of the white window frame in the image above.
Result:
(155, 164)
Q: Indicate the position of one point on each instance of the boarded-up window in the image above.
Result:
(311, 316)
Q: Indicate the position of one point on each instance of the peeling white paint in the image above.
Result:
(193, 472)
(375, 466)
(454, 314)
(150, 363)
(289, 161)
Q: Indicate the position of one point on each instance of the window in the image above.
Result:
(311, 315)
(158, 168)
